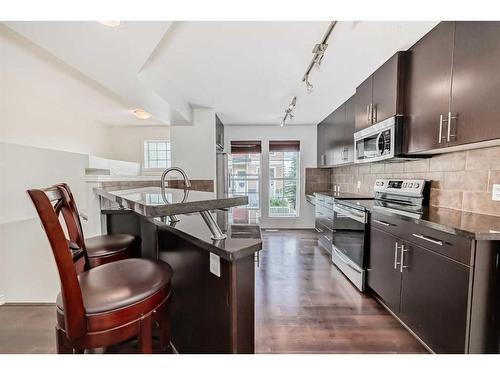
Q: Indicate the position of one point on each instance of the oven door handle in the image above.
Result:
(349, 214)
(346, 260)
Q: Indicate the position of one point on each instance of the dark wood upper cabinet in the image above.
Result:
(380, 96)
(476, 83)
(428, 87)
(384, 276)
(434, 299)
(364, 95)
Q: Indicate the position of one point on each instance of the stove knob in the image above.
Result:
(410, 185)
(417, 185)
(405, 185)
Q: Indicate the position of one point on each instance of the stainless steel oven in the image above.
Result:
(350, 240)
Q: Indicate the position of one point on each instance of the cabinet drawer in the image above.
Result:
(455, 247)
(325, 239)
(452, 246)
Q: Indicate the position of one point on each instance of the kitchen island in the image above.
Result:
(212, 308)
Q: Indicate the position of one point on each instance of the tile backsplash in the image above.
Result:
(460, 180)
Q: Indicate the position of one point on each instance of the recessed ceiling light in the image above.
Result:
(111, 23)
(141, 114)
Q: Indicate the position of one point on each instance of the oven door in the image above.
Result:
(349, 234)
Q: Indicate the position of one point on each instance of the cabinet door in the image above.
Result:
(363, 116)
(348, 138)
(434, 299)
(476, 82)
(428, 88)
(384, 276)
(387, 93)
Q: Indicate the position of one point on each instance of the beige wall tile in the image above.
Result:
(395, 167)
(446, 198)
(454, 161)
(484, 158)
(466, 180)
(481, 203)
(377, 168)
(417, 166)
(494, 179)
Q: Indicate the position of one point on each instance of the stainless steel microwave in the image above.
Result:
(381, 141)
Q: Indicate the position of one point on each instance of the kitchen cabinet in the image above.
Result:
(434, 296)
(383, 275)
(324, 220)
(412, 273)
(381, 95)
(475, 108)
(335, 136)
(452, 81)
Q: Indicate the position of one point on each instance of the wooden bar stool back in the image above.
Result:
(104, 305)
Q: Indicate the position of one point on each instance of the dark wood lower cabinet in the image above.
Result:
(434, 295)
(384, 276)
(443, 287)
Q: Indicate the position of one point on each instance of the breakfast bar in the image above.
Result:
(212, 309)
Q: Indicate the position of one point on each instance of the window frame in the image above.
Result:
(145, 153)
(296, 179)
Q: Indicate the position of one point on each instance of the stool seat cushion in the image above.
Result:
(108, 244)
(120, 284)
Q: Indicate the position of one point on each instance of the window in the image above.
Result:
(157, 154)
(244, 179)
(284, 178)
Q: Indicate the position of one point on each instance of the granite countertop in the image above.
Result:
(149, 202)
(242, 239)
(466, 224)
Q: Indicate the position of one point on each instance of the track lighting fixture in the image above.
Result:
(319, 52)
(288, 111)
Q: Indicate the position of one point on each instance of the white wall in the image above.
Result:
(265, 133)
(193, 146)
(127, 142)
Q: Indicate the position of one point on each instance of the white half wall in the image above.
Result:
(193, 146)
(265, 133)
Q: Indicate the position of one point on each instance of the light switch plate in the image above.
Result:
(215, 264)
(495, 192)
(2, 299)
(359, 184)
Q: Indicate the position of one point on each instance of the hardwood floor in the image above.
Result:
(303, 305)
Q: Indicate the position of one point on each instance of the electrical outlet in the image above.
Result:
(2, 299)
(359, 184)
(215, 264)
(495, 192)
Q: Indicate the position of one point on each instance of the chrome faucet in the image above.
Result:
(187, 183)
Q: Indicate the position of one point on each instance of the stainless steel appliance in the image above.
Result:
(350, 234)
(222, 174)
(382, 141)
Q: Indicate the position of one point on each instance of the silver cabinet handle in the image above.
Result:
(449, 135)
(422, 237)
(368, 119)
(382, 223)
(440, 128)
(374, 113)
(401, 262)
(396, 248)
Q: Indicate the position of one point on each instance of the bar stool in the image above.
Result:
(105, 305)
(100, 249)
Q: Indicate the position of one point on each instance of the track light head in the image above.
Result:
(309, 86)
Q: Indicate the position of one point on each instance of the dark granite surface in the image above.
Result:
(460, 223)
(241, 241)
(148, 201)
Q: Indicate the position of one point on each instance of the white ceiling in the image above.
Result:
(247, 71)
